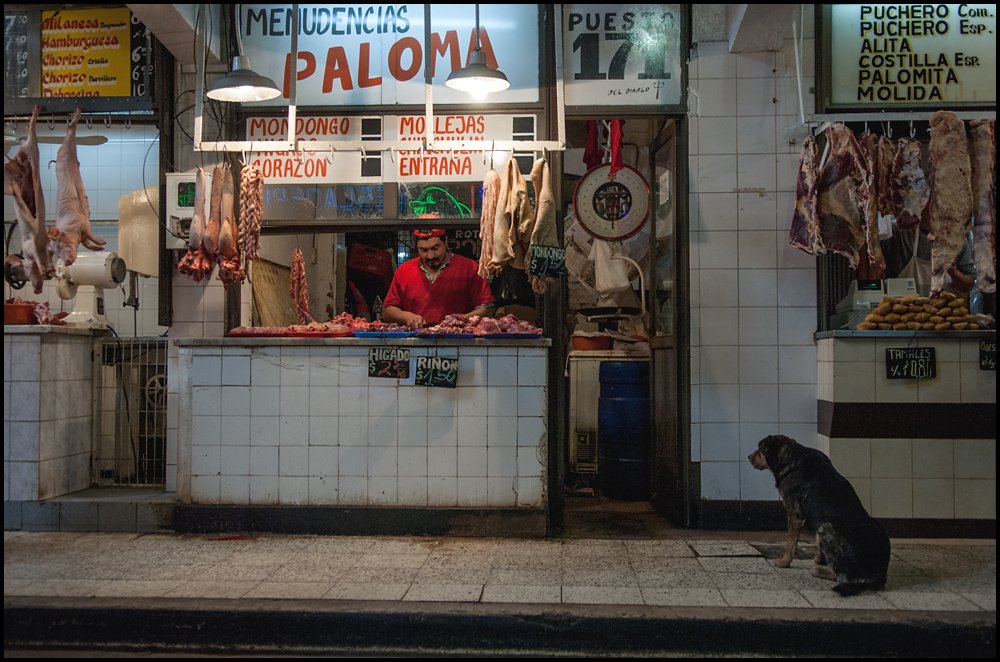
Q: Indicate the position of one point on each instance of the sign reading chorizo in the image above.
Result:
(374, 54)
(622, 55)
(912, 54)
(86, 53)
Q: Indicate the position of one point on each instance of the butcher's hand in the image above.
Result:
(414, 322)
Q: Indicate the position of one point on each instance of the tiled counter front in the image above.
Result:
(47, 411)
(299, 422)
(912, 448)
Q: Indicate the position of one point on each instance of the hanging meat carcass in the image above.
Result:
(513, 212)
(984, 228)
(804, 233)
(210, 240)
(951, 193)
(544, 232)
(298, 289)
(491, 193)
(869, 206)
(910, 190)
(72, 208)
(228, 255)
(883, 182)
(195, 263)
(840, 201)
(21, 180)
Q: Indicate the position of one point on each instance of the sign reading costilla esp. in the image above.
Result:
(913, 55)
(911, 363)
(616, 55)
(436, 371)
(360, 55)
(390, 362)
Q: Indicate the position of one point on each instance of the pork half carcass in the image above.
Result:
(840, 201)
(298, 289)
(910, 190)
(804, 233)
(195, 263)
(951, 193)
(869, 206)
(984, 227)
(72, 208)
(21, 180)
(228, 255)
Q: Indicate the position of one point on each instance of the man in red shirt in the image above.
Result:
(437, 283)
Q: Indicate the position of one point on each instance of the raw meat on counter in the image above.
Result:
(195, 263)
(72, 208)
(804, 233)
(298, 289)
(228, 255)
(984, 227)
(840, 204)
(21, 180)
(910, 190)
(951, 193)
(480, 326)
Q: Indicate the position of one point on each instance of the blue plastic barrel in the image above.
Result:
(623, 430)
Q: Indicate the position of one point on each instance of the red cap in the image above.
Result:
(427, 234)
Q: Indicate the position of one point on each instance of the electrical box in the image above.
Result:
(180, 206)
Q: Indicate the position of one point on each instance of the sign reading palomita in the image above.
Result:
(913, 55)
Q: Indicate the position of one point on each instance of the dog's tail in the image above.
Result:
(853, 588)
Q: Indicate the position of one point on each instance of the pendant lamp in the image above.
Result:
(478, 78)
(242, 83)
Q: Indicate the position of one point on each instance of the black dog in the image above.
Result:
(820, 499)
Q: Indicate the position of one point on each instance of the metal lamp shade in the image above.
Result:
(243, 84)
(478, 78)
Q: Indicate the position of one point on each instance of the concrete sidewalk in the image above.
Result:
(684, 595)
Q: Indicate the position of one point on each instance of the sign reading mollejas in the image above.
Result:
(935, 56)
(622, 55)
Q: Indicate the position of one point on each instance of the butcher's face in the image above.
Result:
(432, 252)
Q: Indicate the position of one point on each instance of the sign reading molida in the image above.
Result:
(912, 54)
(86, 53)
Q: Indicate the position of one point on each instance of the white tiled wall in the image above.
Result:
(47, 446)
(305, 425)
(753, 357)
(919, 478)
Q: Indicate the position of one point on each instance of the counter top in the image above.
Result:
(36, 329)
(906, 335)
(361, 342)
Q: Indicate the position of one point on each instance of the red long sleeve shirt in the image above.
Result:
(458, 288)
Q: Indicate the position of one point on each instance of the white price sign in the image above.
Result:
(622, 55)
(913, 54)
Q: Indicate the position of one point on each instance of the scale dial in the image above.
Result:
(611, 210)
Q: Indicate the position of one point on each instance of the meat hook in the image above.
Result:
(90, 122)
(52, 123)
(329, 159)
(128, 123)
(107, 121)
(392, 154)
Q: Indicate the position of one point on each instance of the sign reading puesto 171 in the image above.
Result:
(912, 55)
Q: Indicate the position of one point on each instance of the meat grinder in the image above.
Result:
(86, 279)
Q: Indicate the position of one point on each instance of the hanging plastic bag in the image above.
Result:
(610, 276)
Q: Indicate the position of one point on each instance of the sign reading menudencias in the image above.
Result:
(913, 54)
(359, 55)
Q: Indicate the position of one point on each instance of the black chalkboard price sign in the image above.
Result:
(389, 362)
(911, 363)
(436, 371)
(988, 355)
(548, 261)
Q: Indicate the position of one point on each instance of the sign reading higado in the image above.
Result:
(622, 55)
(912, 55)
(389, 362)
(362, 55)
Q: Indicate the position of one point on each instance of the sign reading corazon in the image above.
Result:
(913, 54)
(374, 54)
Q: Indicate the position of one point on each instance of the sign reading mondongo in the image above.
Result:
(913, 55)
(374, 54)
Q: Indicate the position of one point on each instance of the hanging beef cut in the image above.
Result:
(195, 263)
(984, 227)
(804, 232)
(869, 207)
(910, 189)
(840, 202)
(21, 180)
(951, 193)
(883, 183)
(228, 255)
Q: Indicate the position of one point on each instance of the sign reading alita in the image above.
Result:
(912, 54)
(374, 54)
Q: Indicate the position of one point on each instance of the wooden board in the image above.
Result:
(270, 294)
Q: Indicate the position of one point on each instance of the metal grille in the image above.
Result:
(132, 412)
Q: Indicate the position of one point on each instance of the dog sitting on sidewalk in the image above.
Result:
(816, 497)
